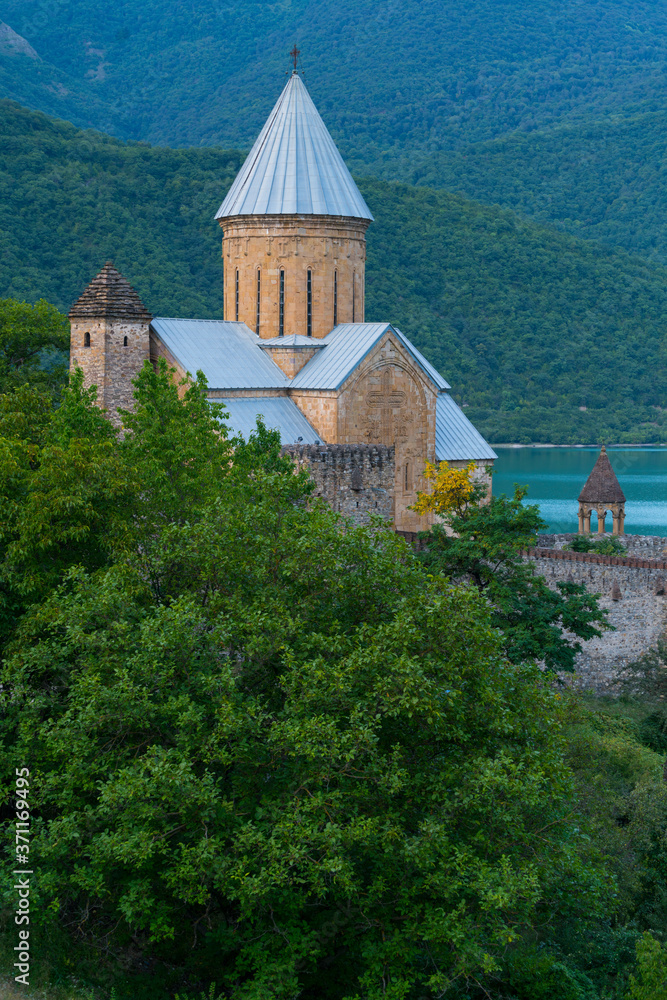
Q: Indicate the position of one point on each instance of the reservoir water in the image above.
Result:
(555, 476)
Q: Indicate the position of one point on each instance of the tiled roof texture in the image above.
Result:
(110, 296)
(602, 486)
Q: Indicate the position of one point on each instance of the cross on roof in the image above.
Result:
(295, 53)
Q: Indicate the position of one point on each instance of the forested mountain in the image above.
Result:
(529, 325)
(405, 75)
(604, 180)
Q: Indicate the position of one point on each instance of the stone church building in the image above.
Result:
(355, 401)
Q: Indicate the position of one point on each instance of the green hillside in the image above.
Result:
(527, 324)
(403, 76)
(604, 180)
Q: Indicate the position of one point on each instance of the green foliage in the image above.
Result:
(33, 340)
(652, 966)
(486, 548)
(267, 749)
(612, 546)
(598, 179)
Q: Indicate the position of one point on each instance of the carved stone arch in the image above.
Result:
(385, 402)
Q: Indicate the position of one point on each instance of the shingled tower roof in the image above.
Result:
(110, 296)
(602, 486)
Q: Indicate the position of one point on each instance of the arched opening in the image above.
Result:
(236, 294)
(281, 306)
(86, 340)
(125, 341)
(259, 300)
(354, 295)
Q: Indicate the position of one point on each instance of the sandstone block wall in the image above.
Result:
(334, 250)
(356, 480)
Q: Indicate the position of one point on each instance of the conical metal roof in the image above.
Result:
(602, 486)
(294, 167)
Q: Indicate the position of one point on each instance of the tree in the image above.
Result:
(275, 753)
(483, 542)
(652, 968)
(33, 340)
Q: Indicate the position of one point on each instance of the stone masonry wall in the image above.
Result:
(115, 354)
(632, 590)
(647, 546)
(356, 480)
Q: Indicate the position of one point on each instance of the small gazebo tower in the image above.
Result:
(601, 493)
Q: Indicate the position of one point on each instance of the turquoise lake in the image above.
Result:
(555, 476)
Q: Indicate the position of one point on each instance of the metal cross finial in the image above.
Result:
(295, 53)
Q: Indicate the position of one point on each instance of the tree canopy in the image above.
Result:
(266, 747)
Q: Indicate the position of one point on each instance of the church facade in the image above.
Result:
(355, 401)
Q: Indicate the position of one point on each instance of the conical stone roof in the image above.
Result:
(602, 486)
(110, 296)
(294, 168)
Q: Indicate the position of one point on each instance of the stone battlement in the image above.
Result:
(356, 480)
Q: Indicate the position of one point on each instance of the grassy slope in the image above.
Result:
(527, 324)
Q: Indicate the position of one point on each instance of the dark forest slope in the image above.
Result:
(406, 75)
(529, 325)
(604, 180)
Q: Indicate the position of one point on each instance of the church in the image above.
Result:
(356, 402)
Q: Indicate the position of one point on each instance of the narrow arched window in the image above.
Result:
(236, 293)
(124, 341)
(354, 292)
(309, 305)
(259, 299)
(281, 306)
(86, 340)
(335, 323)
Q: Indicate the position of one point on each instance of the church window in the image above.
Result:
(86, 340)
(407, 478)
(124, 341)
(237, 294)
(259, 299)
(335, 322)
(281, 307)
(354, 289)
(309, 306)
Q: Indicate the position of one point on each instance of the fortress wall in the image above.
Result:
(356, 480)
(649, 546)
(634, 574)
(638, 616)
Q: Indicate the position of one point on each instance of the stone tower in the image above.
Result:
(294, 225)
(110, 338)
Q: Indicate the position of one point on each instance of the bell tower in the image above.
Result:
(294, 229)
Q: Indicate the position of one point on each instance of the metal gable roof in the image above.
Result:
(345, 348)
(227, 353)
(294, 168)
(279, 413)
(456, 439)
